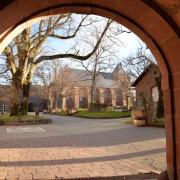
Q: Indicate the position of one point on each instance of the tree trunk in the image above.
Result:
(50, 109)
(25, 98)
(21, 97)
(14, 109)
(61, 101)
(93, 92)
(56, 102)
(50, 98)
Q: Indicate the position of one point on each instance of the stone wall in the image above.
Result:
(146, 83)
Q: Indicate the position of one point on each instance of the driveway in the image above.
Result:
(74, 147)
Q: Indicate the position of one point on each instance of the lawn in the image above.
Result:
(102, 114)
(6, 118)
(61, 113)
(159, 122)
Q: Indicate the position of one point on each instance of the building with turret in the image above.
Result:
(111, 88)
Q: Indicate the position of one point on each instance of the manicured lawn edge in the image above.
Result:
(59, 113)
(157, 123)
(102, 115)
(6, 120)
(95, 115)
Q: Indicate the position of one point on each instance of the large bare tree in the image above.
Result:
(24, 53)
(106, 56)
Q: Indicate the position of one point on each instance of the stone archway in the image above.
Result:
(155, 22)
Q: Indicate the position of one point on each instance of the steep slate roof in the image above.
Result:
(83, 78)
(107, 75)
(143, 74)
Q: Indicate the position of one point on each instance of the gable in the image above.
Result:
(149, 70)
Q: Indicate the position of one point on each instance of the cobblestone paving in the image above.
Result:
(74, 148)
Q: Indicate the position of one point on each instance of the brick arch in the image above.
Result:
(154, 23)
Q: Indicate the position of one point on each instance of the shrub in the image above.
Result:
(139, 115)
(95, 107)
(109, 107)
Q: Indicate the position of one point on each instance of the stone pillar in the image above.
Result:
(76, 98)
(64, 104)
(113, 97)
(130, 102)
(124, 96)
(172, 124)
(101, 96)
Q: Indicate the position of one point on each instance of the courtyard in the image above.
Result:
(73, 147)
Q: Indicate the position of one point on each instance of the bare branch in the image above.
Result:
(76, 56)
(69, 36)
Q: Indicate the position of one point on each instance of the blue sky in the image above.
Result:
(130, 44)
(129, 47)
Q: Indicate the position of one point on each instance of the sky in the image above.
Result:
(131, 42)
(129, 46)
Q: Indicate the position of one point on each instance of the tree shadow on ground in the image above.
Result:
(83, 159)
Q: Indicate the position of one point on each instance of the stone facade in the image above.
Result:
(147, 89)
(111, 88)
(145, 83)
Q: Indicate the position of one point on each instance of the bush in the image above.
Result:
(95, 107)
(109, 107)
(160, 105)
(139, 115)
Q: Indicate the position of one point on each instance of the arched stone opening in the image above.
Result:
(158, 29)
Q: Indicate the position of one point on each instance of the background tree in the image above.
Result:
(136, 63)
(54, 78)
(24, 53)
(106, 55)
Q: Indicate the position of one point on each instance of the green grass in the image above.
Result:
(7, 118)
(102, 114)
(158, 122)
(61, 113)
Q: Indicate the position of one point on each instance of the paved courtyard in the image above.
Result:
(75, 147)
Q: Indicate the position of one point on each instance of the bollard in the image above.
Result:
(37, 111)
